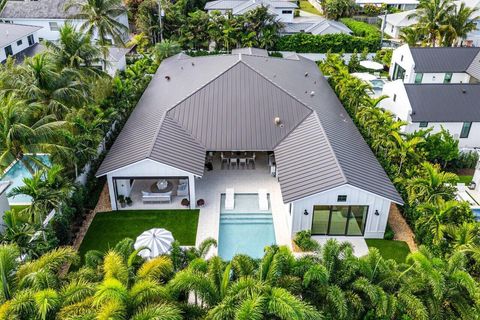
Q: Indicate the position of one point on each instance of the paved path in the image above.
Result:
(401, 228)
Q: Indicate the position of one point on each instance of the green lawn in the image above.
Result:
(465, 179)
(390, 249)
(108, 228)
(306, 6)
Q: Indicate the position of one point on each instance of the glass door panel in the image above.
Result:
(338, 220)
(356, 223)
(320, 219)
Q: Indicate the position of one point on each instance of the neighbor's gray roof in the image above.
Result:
(10, 32)
(229, 102)
(252, 51)
(443, 59)
(243, 6)
(318, 27)
(43, 9)
(444, 102)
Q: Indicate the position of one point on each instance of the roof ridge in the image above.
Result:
(179, 102)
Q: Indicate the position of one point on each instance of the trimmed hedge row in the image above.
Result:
(361, 29)
(335, 43)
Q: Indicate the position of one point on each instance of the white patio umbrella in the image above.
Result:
(364, 76)
(372, 65)
(157, 240)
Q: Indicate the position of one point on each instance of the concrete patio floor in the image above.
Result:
(360, 247)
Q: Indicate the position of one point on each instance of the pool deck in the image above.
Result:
(215, 182)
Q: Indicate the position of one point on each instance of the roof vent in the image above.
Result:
(306, 74)
(312, 93)
(278, 122)
(193, 64)
(464, 91)
(167, 77)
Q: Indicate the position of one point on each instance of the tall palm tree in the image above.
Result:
(165, 49)
(432, 17)
(21, 134)
(411, 36)
(460, 22)
(434, 217)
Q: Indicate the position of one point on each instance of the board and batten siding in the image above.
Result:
(375, 225)
(455, 129)
(147, 168)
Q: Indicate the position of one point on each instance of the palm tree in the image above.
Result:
(404, 148)
(165, 49)
(460, 22)
(411, 36)
(434, 217)
(432, 17)
(431, 184)
(20, 134)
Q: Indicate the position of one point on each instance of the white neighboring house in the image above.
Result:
(453, 106)
(16, 40)
(278, 112)
(399, 4)
(396, 21)
(47, 14)
(282, 9)
(315, 26)
(435, 65)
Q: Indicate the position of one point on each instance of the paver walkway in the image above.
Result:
(401, 228)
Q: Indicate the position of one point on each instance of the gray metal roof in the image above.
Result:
(474, 67)
(444, 102)
(252, 51)
(43, 9)
(10, 32)
(443, 59)
(229, 102)
(243, 6)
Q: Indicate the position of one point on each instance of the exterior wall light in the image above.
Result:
(305, 212)
(377, 213)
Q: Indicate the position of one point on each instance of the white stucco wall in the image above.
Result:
(403, 58)
(148, 168)
(440, 77)
(401, 106)
(375, 225)
(392, 31)
(455, 128)
(18, 48)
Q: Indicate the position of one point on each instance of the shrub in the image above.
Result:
(303, 239)
(362, 29)
(384, 56)
(335, 43)
(466, 160)
(372, 10)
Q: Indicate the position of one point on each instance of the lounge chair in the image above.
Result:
(229, 199)
(262, 199)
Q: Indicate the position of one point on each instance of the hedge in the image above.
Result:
(335, 43)
(361, 29)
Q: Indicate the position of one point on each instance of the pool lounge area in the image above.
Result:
(16, 172)
(245, 229)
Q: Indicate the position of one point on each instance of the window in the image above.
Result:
(394, 97)
(398, 72)
(448, 78)
(423, 124)
(401, 58)
(8, 51)
(287, 11)
(418, 78)
(31, 40)
(465, 130)
(19, 42)
(53, 26)
(339, 220)
(342, 198)
(391, 30)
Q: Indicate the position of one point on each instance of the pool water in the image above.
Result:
(476, 213)
(378, 83)
(245, 229)
(16, 174)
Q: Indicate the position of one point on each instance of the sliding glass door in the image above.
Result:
(339, 220)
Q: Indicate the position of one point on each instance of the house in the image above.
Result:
(4, 205)
(217, 127)
(315, 26)
(50, 15)
(282, 9)
(436, 65)
(398, 4)
(395, 22)
(451, 106)
(17, 39)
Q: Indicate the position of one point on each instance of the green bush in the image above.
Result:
(303, 239)
(335, 43)
(362, 29)
(466, 160)
(389, 234)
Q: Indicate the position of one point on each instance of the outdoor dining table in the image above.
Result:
(156, 189)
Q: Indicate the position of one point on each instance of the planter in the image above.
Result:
(129, 201)
(123, 204)
(200, 203)
(185, 203)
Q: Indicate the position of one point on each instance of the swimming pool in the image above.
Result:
(476, 213)
(245, 229)
(16, 173)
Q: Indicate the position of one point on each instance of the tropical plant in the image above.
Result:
(432, 16)
(459, 23)
(165, 49)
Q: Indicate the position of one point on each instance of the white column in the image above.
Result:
(191, 186)
(111, 192)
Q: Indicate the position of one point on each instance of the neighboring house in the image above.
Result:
(248, 121)
(436, 65)
(16, 39)
(283, 10)
(396, 21)
(317, 26)
(116, 60)
(399, 4)
(4, 205)
(48, 14)
(453, 106)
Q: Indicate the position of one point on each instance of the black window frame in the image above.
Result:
(342, 198)
(464, 135)
(287, 11)
(423, 124)
(19, 42)
(31, 40)
(347, 222)
(398, 72)
(8, 50)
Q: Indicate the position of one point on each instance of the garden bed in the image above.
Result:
(108, 228)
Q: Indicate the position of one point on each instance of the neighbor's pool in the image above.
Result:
(16, 173)
(246, 229)
(476, 213)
